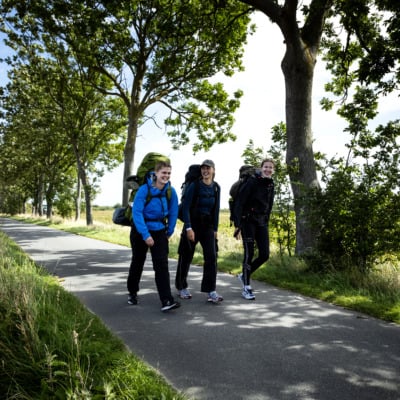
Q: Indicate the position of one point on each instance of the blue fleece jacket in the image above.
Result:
(151, 216)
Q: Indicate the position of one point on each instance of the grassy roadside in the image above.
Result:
(376, 294)
(52, 347)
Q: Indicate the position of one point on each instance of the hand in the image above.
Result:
(149, 241)
(237, 234)
(190, 234)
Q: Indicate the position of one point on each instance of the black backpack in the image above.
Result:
(193, 174)
(245, 172)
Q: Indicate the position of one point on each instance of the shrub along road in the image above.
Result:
(281, 346)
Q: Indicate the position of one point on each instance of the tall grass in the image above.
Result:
(52, 347)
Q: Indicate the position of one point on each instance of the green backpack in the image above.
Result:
(123, 215)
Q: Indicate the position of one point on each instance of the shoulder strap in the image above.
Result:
(149, 196)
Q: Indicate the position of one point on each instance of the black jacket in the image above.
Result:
(254, 201)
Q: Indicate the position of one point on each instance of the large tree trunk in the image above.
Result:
(298, 69)
(298, 65)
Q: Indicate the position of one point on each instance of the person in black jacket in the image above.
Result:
(251, 216)
(201, 217)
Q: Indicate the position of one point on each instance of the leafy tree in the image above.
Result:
(307, 30)
(153, 51)
(28, 140)
(72, 125)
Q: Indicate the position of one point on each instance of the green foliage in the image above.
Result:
(283, 219)
(360, 220)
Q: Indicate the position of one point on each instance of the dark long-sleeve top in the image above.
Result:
(255, 198)
(201, 199)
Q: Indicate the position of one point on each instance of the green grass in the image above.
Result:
(52, 347)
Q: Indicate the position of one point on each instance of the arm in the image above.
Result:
(137, 212)
(217, 206)
(187, 205)
(172, 212)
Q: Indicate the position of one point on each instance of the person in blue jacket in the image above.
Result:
(201, 217)
(154, 214)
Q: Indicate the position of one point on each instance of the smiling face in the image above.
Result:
(267, 169)
(163, 175)
(207, 172)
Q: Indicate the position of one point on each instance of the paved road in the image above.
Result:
(282, 346)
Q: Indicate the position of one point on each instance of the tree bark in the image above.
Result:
(298, 69)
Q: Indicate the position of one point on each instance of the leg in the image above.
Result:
(159, 255)
(139, 251)
(262, 241)
(186, 251)
(208, 243)
(248, 234)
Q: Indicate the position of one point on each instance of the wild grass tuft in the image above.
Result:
(51, 346)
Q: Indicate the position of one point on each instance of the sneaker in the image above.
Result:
(248, 294)
(133, 299)
(185, 294)
(169, 305)
(240, 277)
(214, 297)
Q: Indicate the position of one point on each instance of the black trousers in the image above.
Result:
(254, 234)
(159, 255)
(204, 233)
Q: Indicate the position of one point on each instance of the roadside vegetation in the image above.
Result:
(52, 347)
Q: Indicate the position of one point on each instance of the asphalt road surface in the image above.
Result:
(282, 346)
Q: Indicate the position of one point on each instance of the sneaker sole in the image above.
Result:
(184, 297)
(171, 307)
(249, 298)
(214, 301)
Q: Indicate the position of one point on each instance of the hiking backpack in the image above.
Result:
(245, 172)
(193, 174)
(123, 215)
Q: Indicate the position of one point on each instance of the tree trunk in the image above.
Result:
(78, 198)
(87, 189)
(129, 153)
(298, 69)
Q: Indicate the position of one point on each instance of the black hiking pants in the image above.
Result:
(204, 233)
(254, 234)
(159, 256)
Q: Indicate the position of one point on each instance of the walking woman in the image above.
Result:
(251, 217)
(155, 211)
(201, 217)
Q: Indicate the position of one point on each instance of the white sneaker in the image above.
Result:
(248, 294)
(214, 297)
(241, 280)
(185, 294)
